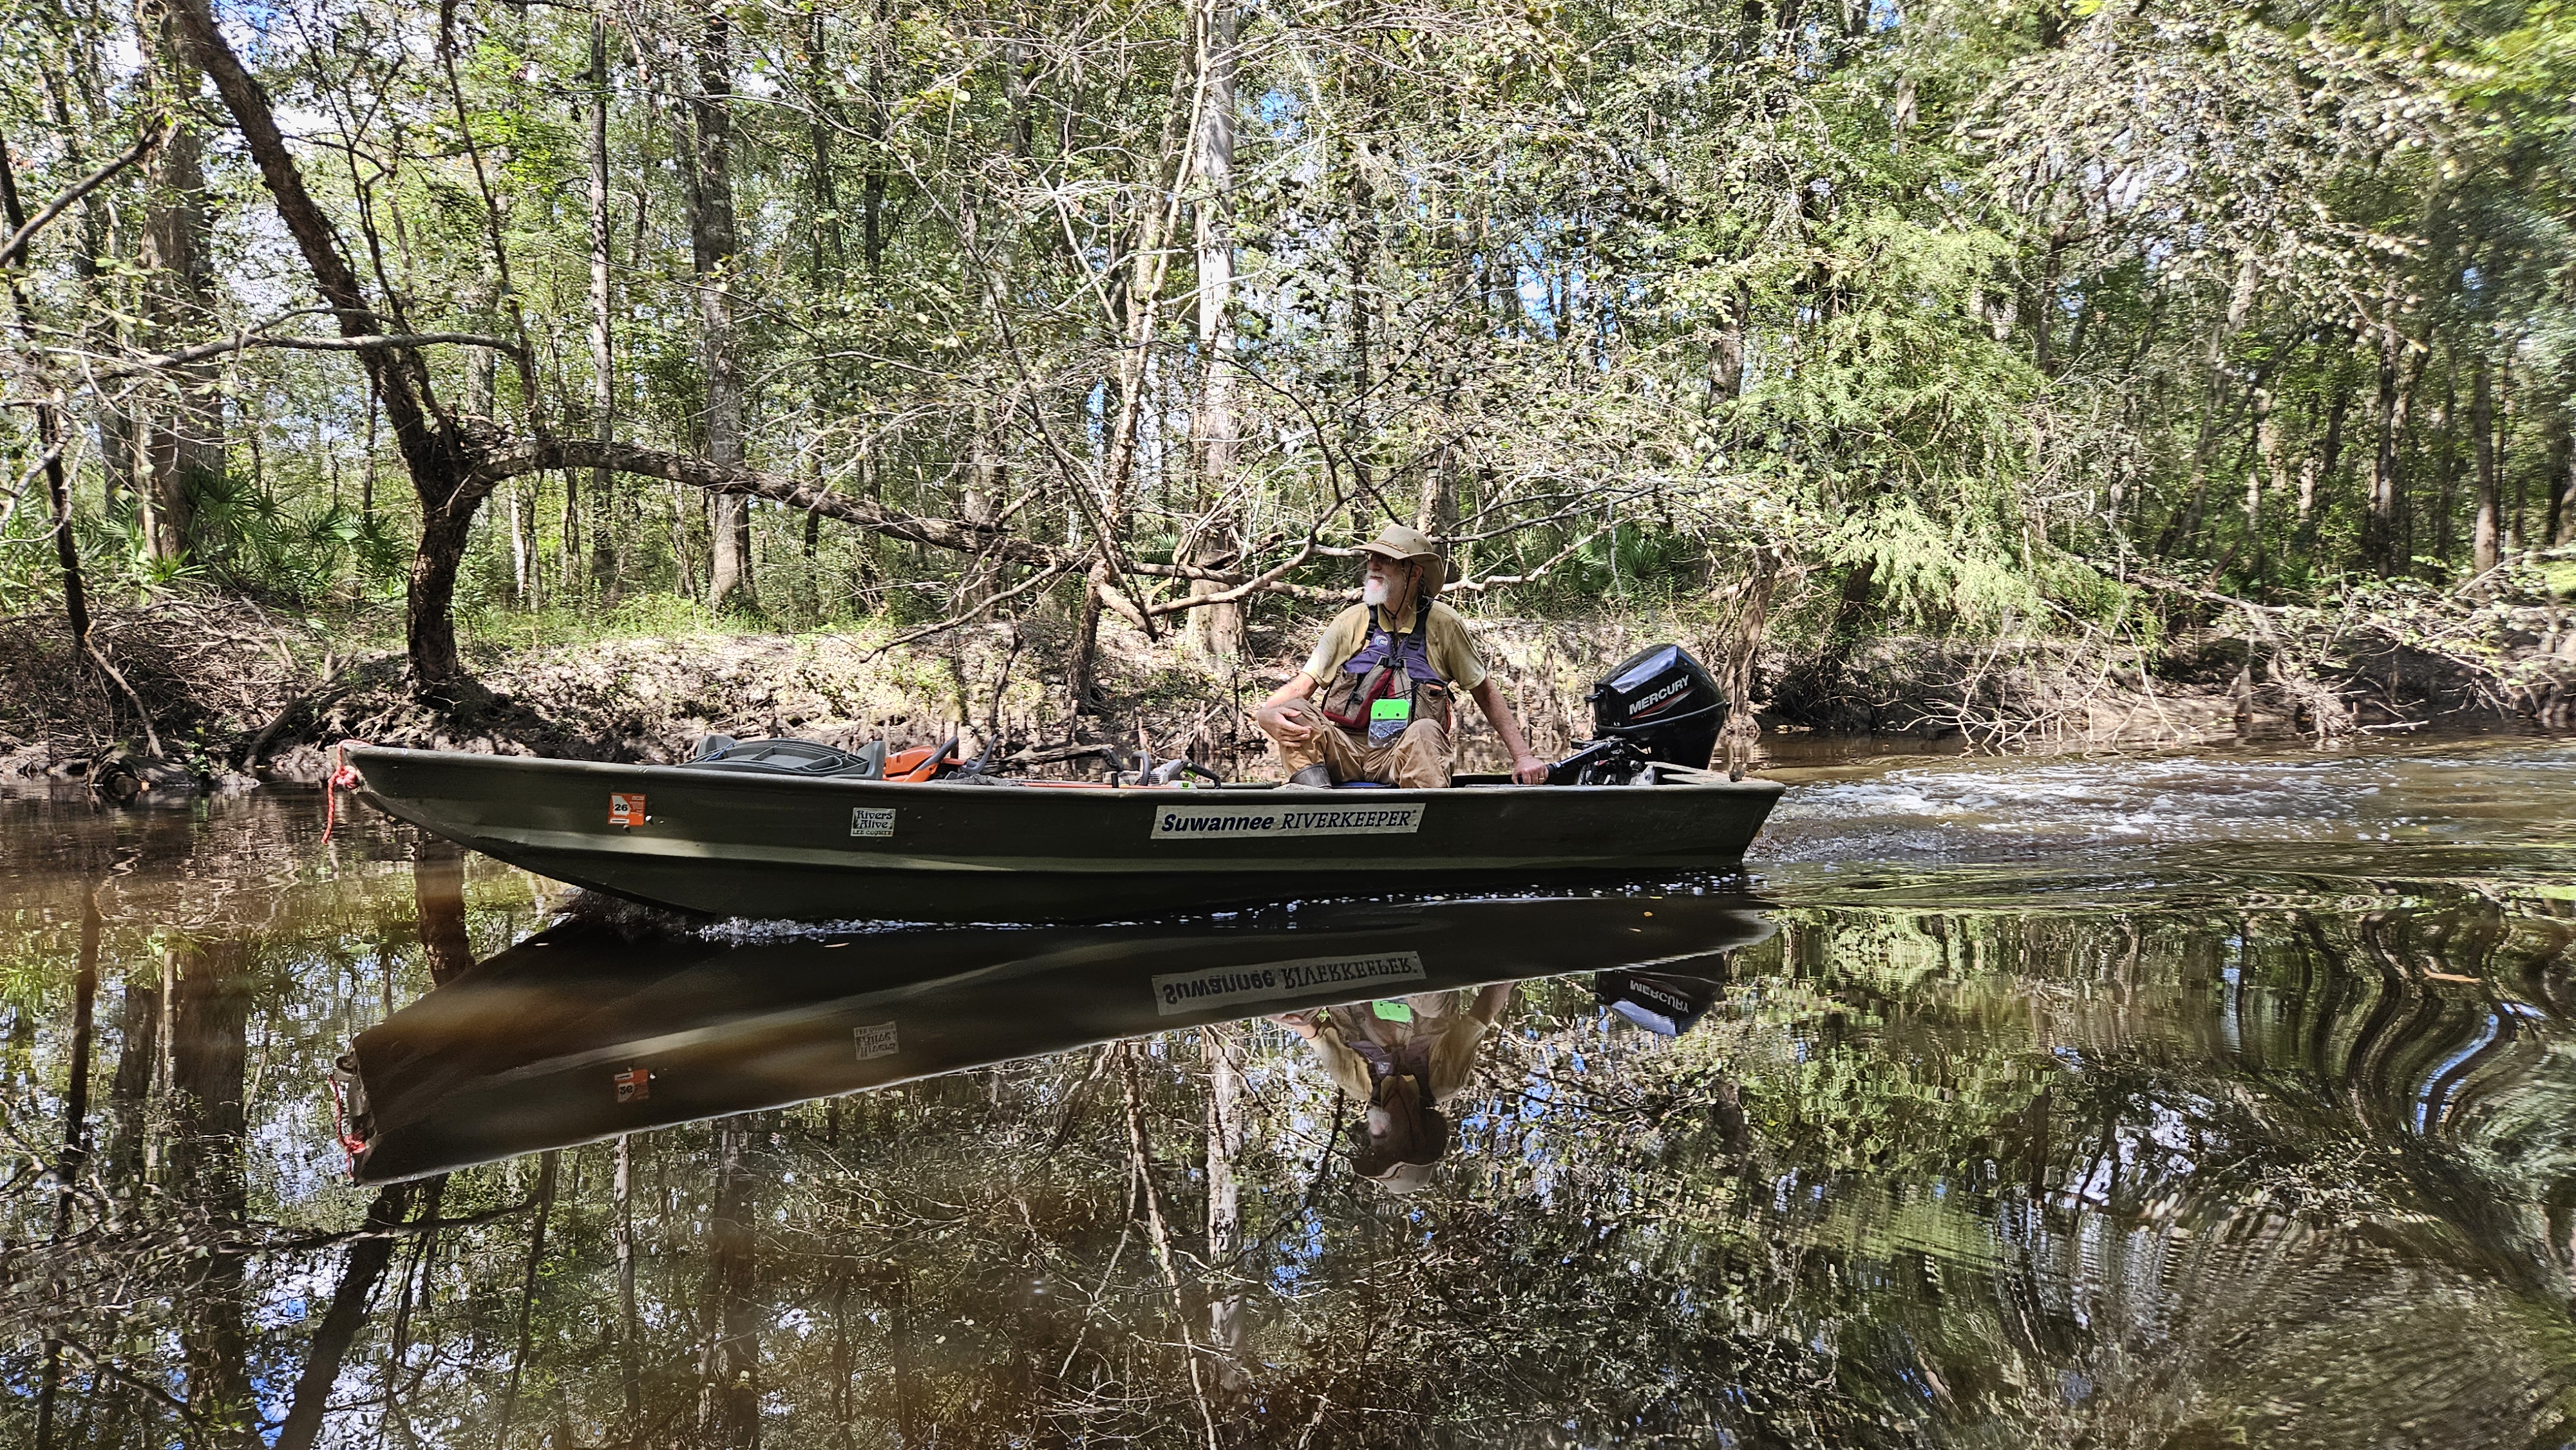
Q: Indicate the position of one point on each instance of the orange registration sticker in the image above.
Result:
(634, 1085)
(625, 810)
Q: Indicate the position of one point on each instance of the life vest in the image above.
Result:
(1390, 667)
(1411, 1058)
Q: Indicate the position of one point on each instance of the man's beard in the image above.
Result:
(1373, 591)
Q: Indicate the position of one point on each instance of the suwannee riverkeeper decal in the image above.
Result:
(1304, 977)
(1236, 823)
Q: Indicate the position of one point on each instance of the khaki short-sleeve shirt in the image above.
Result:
(1445, 638)
(1455, 1022)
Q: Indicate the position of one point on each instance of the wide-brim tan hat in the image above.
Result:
(1405, 1178)
(1405, 545)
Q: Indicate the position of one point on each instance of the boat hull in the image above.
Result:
(728, 843)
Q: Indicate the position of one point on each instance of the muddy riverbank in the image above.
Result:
(237, 693)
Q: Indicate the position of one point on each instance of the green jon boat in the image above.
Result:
(751, 844)
(793, 829)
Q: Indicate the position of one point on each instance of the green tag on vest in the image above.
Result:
(1392, 1011)
(1388, 720)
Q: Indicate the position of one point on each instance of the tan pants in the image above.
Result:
(1418, 758)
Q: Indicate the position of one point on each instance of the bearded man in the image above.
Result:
(1376, 701)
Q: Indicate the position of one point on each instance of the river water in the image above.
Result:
(2177, 1100)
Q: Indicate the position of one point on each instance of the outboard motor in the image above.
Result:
(1659, 705)
(1665, 1005)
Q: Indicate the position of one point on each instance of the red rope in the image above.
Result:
(343, 776)
(353, 1146)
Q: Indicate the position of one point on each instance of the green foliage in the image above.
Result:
(1939, 578)
(1966, 297)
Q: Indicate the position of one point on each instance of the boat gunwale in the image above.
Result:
(1709, 781)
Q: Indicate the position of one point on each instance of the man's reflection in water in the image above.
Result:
(1403, 1058)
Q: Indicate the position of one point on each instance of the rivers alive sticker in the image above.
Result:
(1304, 977)
(1236, 823)
(866, 822)
(625, 809)
(874, 1039)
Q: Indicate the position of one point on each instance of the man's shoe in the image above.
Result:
(1313, 776)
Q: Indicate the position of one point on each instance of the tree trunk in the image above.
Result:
(684, 546)
(520, 593)
(2182, 528)
(2446, 463)
(819, 171)
(1216, 630)
(180, 441)
(628, 1350)
(1726, 350)
(1359, 246)
(712, 245)
(108, 323)
(1147, 265)
(429, 596)
(1225, 1143)
(210, 1039)
(2276, 473)
(547, 1165)
(603, 336)
(431, 441)
(2382, 537)
(49, 431)
(2560, 527)
(568, 562)
(729, 1407)
(67, 1169)
(1750, 613)
(2320, 468)
(828, 260)
(347, 1313)
(138, 1057)
(1436, 512)
(987, 469)
(2044, 305)
(872, 183)
(58, 497)
(2486, 534)
(438, 899)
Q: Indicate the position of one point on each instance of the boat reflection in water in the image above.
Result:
(583, 1032)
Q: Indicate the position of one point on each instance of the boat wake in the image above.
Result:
(2290, 812)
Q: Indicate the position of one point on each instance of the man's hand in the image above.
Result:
(1278, 719)
(1282, 724)
(1527, 769)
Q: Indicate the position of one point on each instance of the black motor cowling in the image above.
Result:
(1659, 705)
(1662, 703)
(1665, 1005)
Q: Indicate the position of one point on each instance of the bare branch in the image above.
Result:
(14, 250)
(500, 457)
(360, 343)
